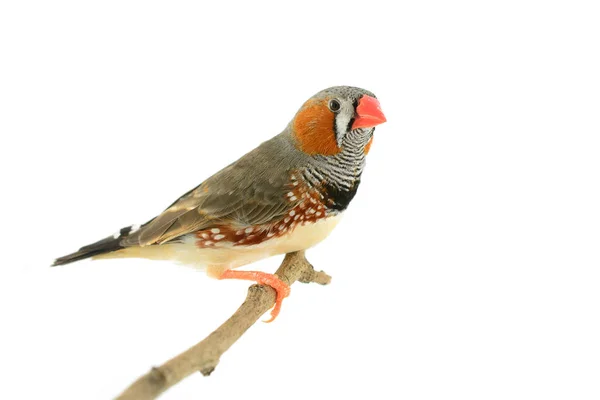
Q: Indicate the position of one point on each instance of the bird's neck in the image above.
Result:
(340, 174)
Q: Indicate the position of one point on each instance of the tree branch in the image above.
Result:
(205, 355)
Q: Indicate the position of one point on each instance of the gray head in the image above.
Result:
(324, 122)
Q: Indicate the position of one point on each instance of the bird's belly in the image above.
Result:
(188, 253)
(301, 238)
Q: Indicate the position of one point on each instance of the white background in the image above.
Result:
(467, 267)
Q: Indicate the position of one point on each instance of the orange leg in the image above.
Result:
(262, 278)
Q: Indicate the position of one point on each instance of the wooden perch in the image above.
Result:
(205, 355)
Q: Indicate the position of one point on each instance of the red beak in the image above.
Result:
(369, 113)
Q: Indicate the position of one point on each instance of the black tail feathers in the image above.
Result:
(103, 246)
(106, 245)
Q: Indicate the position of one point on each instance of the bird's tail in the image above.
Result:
(106, 245)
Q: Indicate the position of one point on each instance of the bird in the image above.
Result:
(286, 195)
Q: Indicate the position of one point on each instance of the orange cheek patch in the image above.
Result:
(368, 146)
(313, 127)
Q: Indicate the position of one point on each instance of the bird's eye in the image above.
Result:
(334, 105)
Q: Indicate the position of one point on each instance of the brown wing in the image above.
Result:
(249, 192)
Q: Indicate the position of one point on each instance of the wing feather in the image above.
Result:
(249, 192)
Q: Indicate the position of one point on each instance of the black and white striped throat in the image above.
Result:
(343, 169)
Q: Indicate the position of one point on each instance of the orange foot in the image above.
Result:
(262, 278)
